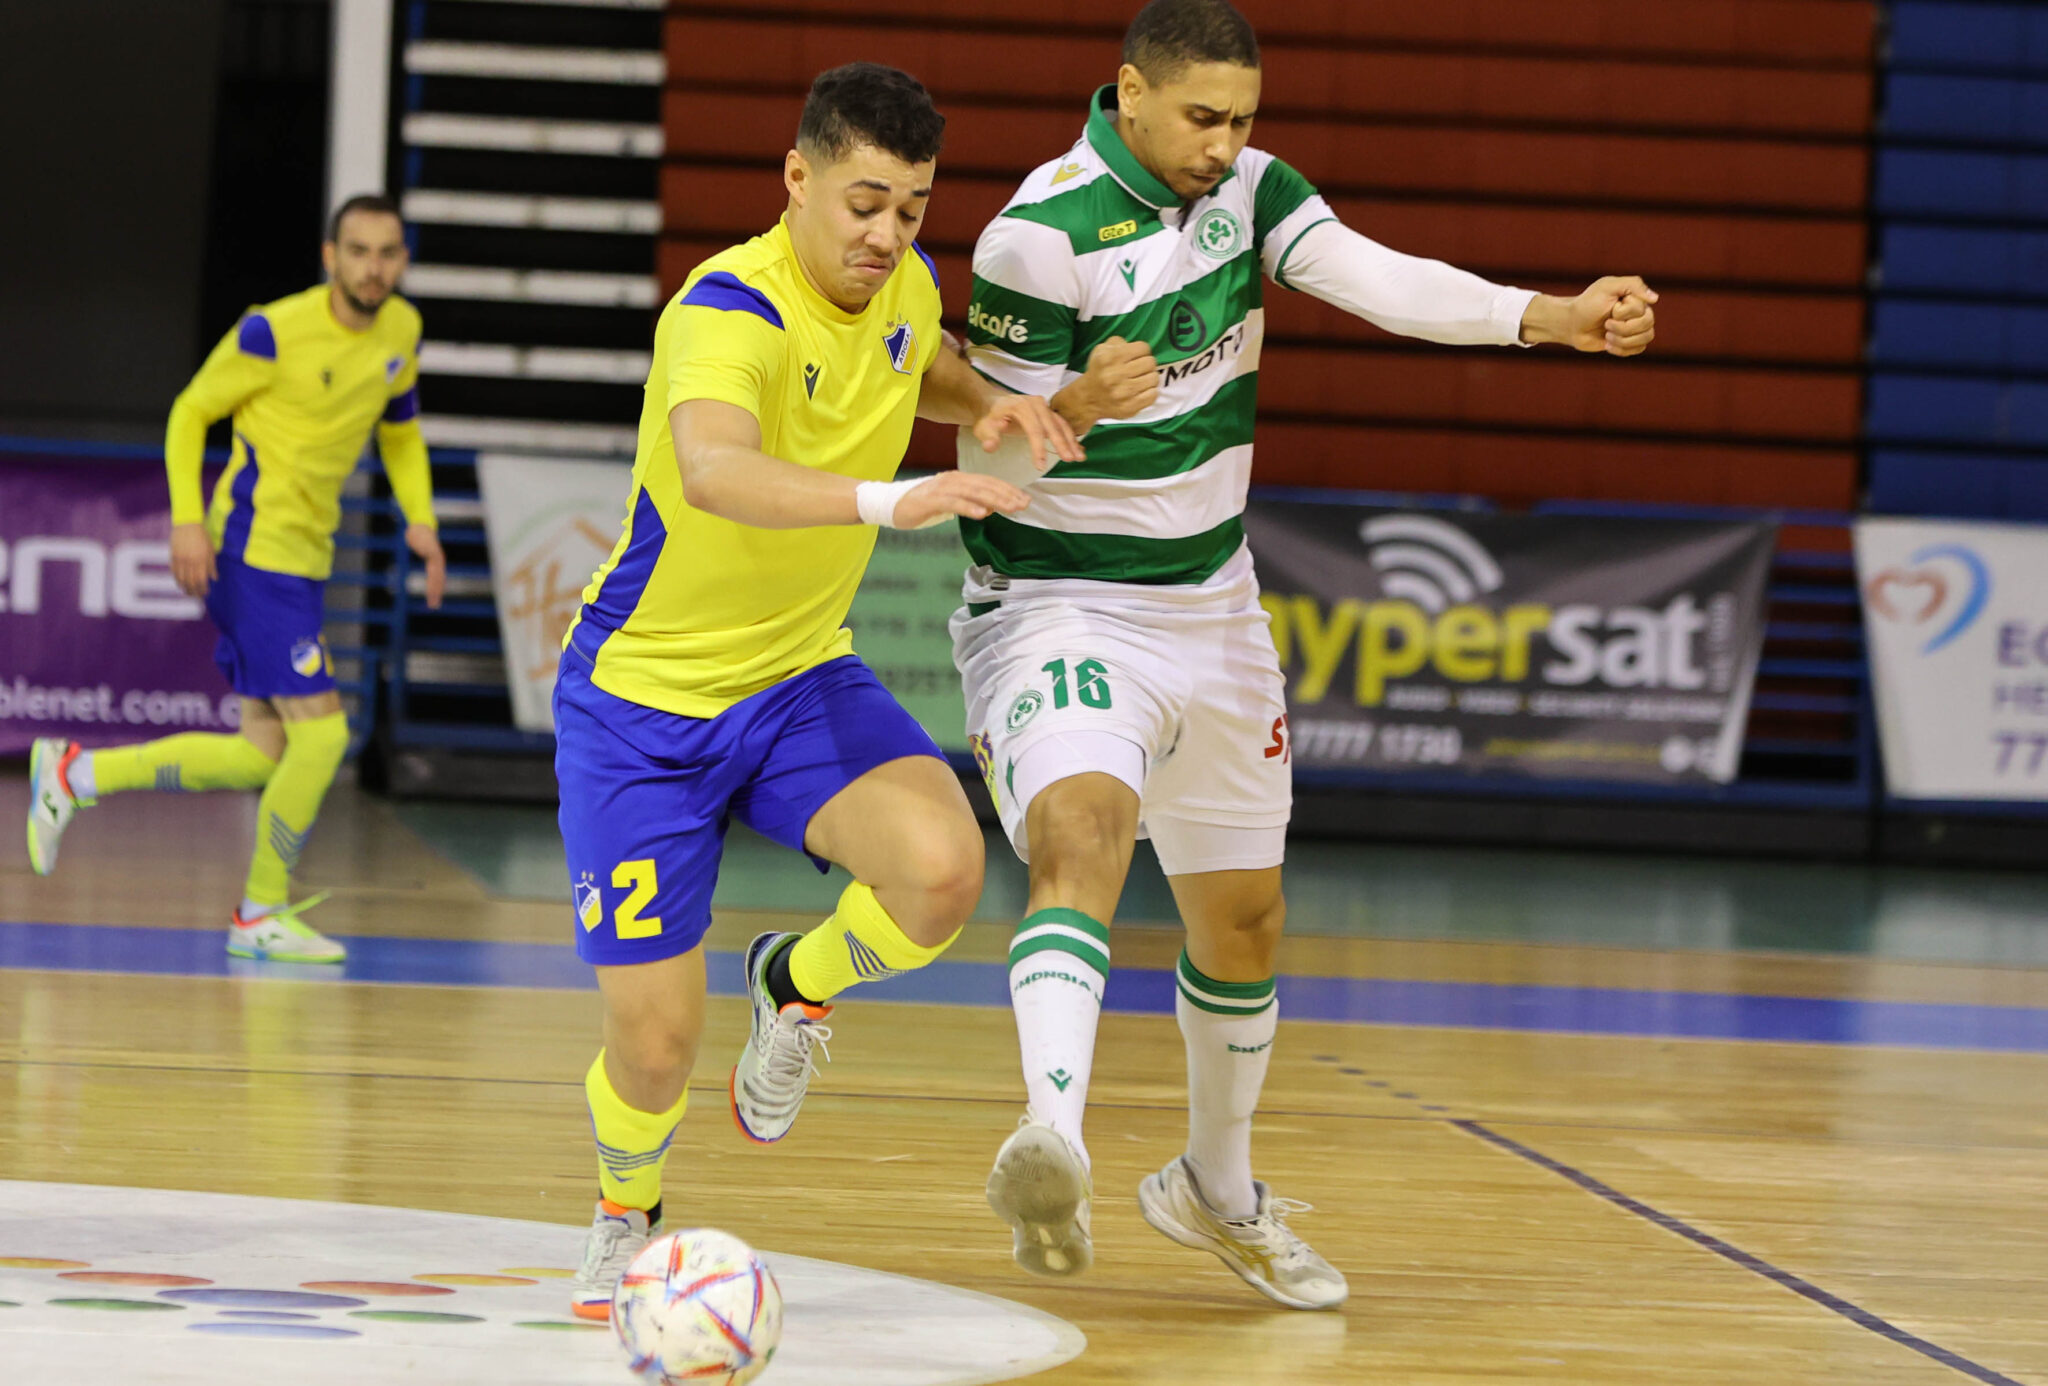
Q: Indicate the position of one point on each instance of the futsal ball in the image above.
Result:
(698, 1307)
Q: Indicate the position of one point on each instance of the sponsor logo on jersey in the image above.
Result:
(1118, 231)
(1024, 709)
(1185, 327)
(393, 367)
(1007, 328)
(1067, 172)
(1219, 234)
(1226, 347)
(811, 373)
(901, 343)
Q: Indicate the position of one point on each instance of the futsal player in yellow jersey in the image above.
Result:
(708, 675)
(307, 379)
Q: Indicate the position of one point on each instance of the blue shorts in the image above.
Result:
(270, 641)
(646, 795)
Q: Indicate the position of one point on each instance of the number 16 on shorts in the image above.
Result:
(1087, 684)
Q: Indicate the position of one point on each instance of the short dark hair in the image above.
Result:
(867, 103)
(1168, 36)
(362, 202)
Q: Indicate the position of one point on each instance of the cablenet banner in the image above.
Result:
(1558, 647)
(96, 641)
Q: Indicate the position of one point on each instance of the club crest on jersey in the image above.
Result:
(900, 341)
(309, 657)
(1219, 234)
(1024, 709)
(589, 901)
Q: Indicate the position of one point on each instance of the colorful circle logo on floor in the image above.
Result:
(232, 1291)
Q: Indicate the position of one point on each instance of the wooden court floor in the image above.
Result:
(1675, 1200)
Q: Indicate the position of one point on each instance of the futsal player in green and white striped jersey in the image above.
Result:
(1120, 677)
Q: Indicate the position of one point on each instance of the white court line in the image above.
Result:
(619, 66)
(533, 286)
(545, 213)
(534, 136)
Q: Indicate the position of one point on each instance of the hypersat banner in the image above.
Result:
(1526, 645)
(1956, 616)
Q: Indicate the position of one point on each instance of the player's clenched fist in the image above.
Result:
(1122, 379)
(1614, 315)
(1121, 382)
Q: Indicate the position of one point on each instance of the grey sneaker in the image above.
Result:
(1040, 1187)
(617, 1235)
(50, 801)
(774, 1071)
(1266, 1253)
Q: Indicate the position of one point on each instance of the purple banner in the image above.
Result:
(96, 641)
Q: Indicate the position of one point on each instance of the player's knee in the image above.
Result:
(318, 740)
(656, 1051)
(1249, 939)
(1079, 833)
(943, 874)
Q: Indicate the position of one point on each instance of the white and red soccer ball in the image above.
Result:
(698, 1307)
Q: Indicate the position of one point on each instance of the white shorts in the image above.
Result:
(1176, 691)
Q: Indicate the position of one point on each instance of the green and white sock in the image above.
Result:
(1228, 1028)
(1059, 965)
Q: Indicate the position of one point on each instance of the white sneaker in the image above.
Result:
(281, 936)
(1266, 1253)
(774, 1071)
(617, 1235)
(51, 803)
(1040, 1187)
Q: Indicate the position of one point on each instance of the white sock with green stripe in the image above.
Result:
(1228, 1027)
(1059, 965)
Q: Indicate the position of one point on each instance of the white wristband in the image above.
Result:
(876, 500)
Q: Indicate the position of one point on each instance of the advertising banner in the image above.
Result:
(551, 523)
(96, 642)
(1522, 645)
(1956, 616)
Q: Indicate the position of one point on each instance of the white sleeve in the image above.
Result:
(1403, 293)
(1025, 297)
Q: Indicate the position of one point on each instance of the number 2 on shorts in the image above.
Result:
(626, 920)
(1091, 683)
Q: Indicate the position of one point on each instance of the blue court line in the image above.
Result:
(1806, 1289)
(1132, 991)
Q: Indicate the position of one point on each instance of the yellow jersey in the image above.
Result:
(692, 613)
(305, 393)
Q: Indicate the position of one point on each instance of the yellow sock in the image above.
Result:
(859, 943)
(291, 801)
(193, 761)
(631, 1144)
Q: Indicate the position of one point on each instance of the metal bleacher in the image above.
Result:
(1958, 411)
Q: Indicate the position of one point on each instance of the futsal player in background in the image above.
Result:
(307, 380)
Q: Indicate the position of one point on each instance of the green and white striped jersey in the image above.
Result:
(1091, 247)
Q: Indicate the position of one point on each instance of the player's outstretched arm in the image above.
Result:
(725, 473)
(954, 392)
